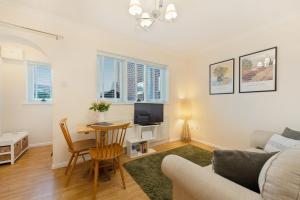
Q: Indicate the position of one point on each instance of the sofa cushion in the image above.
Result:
(280, 176)
(241, 167)
(278, 143)
(290, 133)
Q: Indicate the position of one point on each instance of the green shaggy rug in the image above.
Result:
(147, 172)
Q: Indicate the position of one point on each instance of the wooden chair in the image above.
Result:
(109, 146)
(79, 148)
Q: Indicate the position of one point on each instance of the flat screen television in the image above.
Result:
(148, 113)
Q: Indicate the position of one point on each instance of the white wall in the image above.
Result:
(16, 113)
(228, 120)
(74, 71)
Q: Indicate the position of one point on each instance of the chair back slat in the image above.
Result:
(66, 133)
(116, 140)
(110, 140)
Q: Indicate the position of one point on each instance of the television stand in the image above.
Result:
(139, 145)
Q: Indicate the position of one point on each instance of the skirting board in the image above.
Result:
(174, 139)
(64, 164)
(209, 144)
(59, 165)
(200, 141)
(155, 143)
(40, 144)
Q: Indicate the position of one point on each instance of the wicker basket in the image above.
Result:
(4, 157)
(18, 149)
(24, 143)
(5, 149)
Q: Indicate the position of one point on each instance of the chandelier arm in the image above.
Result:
(146, 18)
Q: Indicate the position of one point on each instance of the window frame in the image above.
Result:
(31, 65)
(124, 79)
(100, 77)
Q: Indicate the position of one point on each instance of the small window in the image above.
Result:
(39, 83)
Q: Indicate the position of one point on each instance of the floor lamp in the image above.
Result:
(186, 116)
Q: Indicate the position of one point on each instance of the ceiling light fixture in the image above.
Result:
(146, 19)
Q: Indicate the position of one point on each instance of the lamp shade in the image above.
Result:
(171, 12)
(146, 20)
(185, 108)
(135, 7)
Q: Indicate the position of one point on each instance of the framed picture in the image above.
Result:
(258, 71)
(221, 77)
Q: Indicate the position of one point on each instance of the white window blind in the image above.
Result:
(156, 84)
(135, 82)
(130, 80)
(39, 82)
(109, 78)
(140, 81)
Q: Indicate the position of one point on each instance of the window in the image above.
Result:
(128, 80)
(109, 78)
(39, 83)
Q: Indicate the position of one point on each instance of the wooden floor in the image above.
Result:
(32, 178)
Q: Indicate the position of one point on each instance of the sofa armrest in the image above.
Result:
(259, 139)
(195, 182)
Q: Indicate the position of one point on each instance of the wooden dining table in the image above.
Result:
(86, 129)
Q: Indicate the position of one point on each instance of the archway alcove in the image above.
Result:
(16, 112)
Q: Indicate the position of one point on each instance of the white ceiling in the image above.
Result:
(200, 24)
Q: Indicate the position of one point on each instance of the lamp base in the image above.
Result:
(186, 135)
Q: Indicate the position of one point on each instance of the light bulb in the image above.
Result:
(135, 7)
(146, 20)
(171, 12)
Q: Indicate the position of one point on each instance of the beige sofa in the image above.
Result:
(192, 182)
